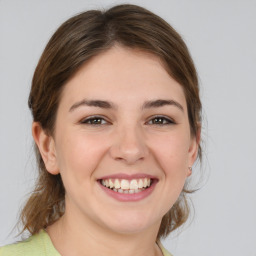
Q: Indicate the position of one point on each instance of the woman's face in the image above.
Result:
(122, 141)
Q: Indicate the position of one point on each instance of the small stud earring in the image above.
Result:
(190, 168)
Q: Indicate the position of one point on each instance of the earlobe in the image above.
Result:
(193, 150)
(189, 171)
(46, 146)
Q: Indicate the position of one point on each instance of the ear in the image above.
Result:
(193, 149)
(46, 146)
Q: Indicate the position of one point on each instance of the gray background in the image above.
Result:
(221, 36)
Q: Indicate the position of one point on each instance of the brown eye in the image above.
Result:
(94, 121)
(160, 120)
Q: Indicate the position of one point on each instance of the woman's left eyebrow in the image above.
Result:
(162, 102)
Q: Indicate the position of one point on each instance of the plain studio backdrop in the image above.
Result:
(221, 36)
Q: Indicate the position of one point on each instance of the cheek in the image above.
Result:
(172, 152)
(79, 155)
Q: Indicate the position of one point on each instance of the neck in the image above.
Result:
(83, 238)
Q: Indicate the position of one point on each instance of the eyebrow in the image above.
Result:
(109, 105)
(161, 103)
(92, 103)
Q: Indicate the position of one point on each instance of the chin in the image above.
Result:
(132, 224)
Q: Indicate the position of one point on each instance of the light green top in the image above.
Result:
(40, 245)
(36, 245)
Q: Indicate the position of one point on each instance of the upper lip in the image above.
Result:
(127, 176)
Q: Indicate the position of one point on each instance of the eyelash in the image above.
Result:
(162, 120)
(90, 120)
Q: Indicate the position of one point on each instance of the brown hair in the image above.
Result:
(75, 42)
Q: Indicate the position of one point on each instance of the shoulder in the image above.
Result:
(38, 244)
(34, 245)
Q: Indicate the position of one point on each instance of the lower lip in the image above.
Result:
(129, 197)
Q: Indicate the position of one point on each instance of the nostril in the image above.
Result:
(129, 146)
(130, 156)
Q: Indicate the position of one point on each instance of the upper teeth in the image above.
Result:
(126, 184)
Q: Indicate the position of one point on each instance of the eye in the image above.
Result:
(94, 120)
(160, 120)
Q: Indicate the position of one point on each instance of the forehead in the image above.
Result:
(122, 72)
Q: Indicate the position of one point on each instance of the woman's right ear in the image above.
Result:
(46, 146)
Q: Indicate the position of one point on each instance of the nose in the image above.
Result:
(129, 146)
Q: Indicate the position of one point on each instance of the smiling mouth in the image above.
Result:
(125, 186)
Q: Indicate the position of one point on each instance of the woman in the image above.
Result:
(116, 109)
